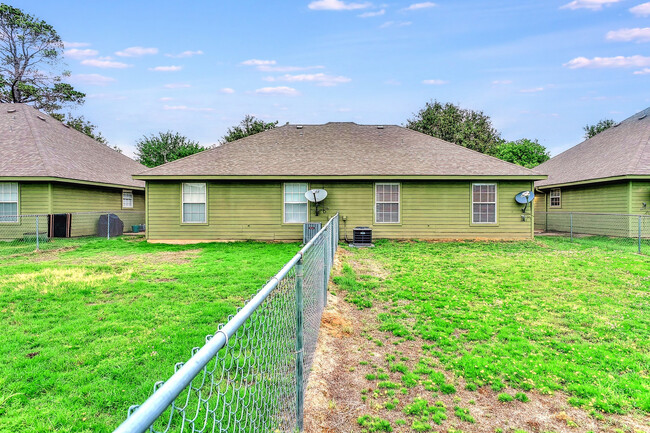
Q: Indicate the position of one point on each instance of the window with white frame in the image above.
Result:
(484, 203)
(8, 202)
(387, 202)
(127, 199)
(296, 207)
(556, 198)
(194, 203)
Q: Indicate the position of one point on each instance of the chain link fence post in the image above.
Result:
(640, 234)
(108, 226)
(37, 234)
(300, 398)
(571, 224)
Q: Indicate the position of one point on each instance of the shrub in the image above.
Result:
(504, 397)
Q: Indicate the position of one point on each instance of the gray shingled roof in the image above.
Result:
(339, 149)
(622, 150)
(33, 144)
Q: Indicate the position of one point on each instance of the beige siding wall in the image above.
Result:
(254, 210)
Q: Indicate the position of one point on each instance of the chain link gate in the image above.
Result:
(251, 375)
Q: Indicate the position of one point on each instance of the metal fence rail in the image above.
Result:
(22, 234)
(621, 231)
(250, 376)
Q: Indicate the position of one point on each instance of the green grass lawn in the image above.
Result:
(86, 332)
(546, 315)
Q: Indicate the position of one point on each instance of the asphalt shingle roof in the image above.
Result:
(618, 151)
(33, 144)
(339, 149)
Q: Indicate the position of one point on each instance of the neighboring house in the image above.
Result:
(608, 173)
(48, 168)
(402, 183)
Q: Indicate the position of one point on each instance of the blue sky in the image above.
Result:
(540, 69)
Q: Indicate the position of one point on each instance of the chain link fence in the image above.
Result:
(23, 234)
(251, 375)
(619, 231)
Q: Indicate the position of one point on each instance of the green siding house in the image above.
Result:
(402, 183)
(606, 174)
(47, 168)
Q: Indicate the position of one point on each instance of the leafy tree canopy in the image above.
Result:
(164, 147)
(30, 59)
(248, 126)
(591, 130)
(524, 152)
(468, 128)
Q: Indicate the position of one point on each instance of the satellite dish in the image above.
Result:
(525, 197)
(316, 195)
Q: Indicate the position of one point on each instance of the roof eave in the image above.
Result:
(66, 180)
(596, 180)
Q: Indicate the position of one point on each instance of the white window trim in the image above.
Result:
(17, 221)
(399, 202)
(284, 203)
(551, 197)
(205, 197)
(495, 202)
(127, 191)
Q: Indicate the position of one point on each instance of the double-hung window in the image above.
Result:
(484, 203)
(296, 207)
(127, 199)
(194, 203)
(387, 196)
(556, 197)
(8, 202)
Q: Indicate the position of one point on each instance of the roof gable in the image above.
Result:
(622, 150)
(34, 144)
(339, 149)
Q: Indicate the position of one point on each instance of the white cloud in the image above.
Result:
(337, 5)
(227, 91)
(642, 10)
(281, 90)
(76, 53)
(185, 108)
(435, 82)
(91, 79)
(594, 5)
(532, 90)
(320, 79)
(373, 14)
(423, 5)
(76, 44)
(165, 99)
(627, 35)
(136, 52)
(102, 63)
(185, 54)
(170, 68)
(501, 82)
(644, 71)
(609, 62)
(258, 62)
(176, 86)
(395, 24)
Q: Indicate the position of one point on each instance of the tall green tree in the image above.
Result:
(248, 126)
(31, 54)
(591, 130)
(164, 147)
(524, 152)
(468, 128)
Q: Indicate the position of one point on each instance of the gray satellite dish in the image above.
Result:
(316, 196)
(525, 197)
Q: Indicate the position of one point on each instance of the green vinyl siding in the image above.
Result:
(33, 198)
(71, 198)
(253, 210)
(603, 198)
(639, 194)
